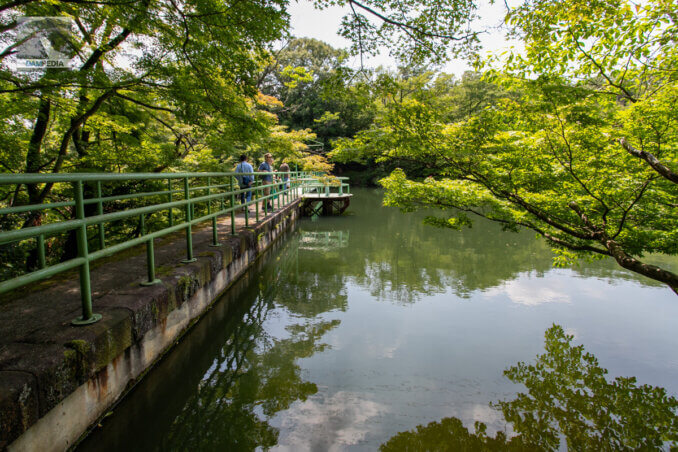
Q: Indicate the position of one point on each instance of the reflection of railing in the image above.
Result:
(94, 205)
(314, 240)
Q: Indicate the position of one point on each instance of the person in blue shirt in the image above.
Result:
(267, 179)
(245, 181)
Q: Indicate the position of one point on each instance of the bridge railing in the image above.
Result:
(327, 185)
(166, 203)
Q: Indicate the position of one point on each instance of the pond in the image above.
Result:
(358, 327)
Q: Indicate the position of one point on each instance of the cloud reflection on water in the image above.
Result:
(324, 422)
(530, 290)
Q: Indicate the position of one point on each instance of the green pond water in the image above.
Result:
(358, 327)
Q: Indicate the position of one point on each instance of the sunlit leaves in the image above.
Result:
(296, 75)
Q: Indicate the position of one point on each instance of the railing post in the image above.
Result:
(150, 256)
(189, 219)
(171, 210)
(100, 211)
(256, 204)
(215, 238)
(85, 285)
(265, 201)
(232, 185)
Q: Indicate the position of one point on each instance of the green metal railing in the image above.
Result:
(215, 194)
(315, 184)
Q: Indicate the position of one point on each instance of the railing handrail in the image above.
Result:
(87, 201)
(224, 194)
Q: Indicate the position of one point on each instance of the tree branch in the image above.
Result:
(403, 25)
(65, 141)
(653, 161)
(143, 104)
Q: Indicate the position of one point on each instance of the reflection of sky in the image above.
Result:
(531, 291)
(392, 366)
(431, 323)
(328, 423)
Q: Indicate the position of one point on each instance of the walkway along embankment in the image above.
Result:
(56, 379)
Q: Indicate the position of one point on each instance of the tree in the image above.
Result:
(317, 91)
(185, 68)
(581, 154)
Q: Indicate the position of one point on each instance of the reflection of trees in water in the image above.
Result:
(323, 240)
(568, 399)
(406, 258)
(220, 413)
(223, 382)
(397, 257)
(252, 377)
(312, 283)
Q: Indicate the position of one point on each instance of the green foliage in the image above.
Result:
(317, 91)
(415, 32)
(568, 397)
(157, 86)
(295, 75)
(588, 164)
(154, 83)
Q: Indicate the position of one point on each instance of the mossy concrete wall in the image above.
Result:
(56, 381)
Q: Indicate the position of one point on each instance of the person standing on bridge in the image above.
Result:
(245, 181)
(285, 169)
(267, 179)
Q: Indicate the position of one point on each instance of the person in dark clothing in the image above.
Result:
(246, 180)
(267, 179)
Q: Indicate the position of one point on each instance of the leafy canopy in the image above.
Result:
(584, 154)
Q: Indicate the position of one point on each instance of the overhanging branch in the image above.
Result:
(653, 161)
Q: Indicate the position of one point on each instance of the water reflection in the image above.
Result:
(398, 258)
(311, 284)
(324, 422)
(569, 402)
(303, 354)
(323, 240)
(220, 386)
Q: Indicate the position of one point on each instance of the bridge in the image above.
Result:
(117, 268)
